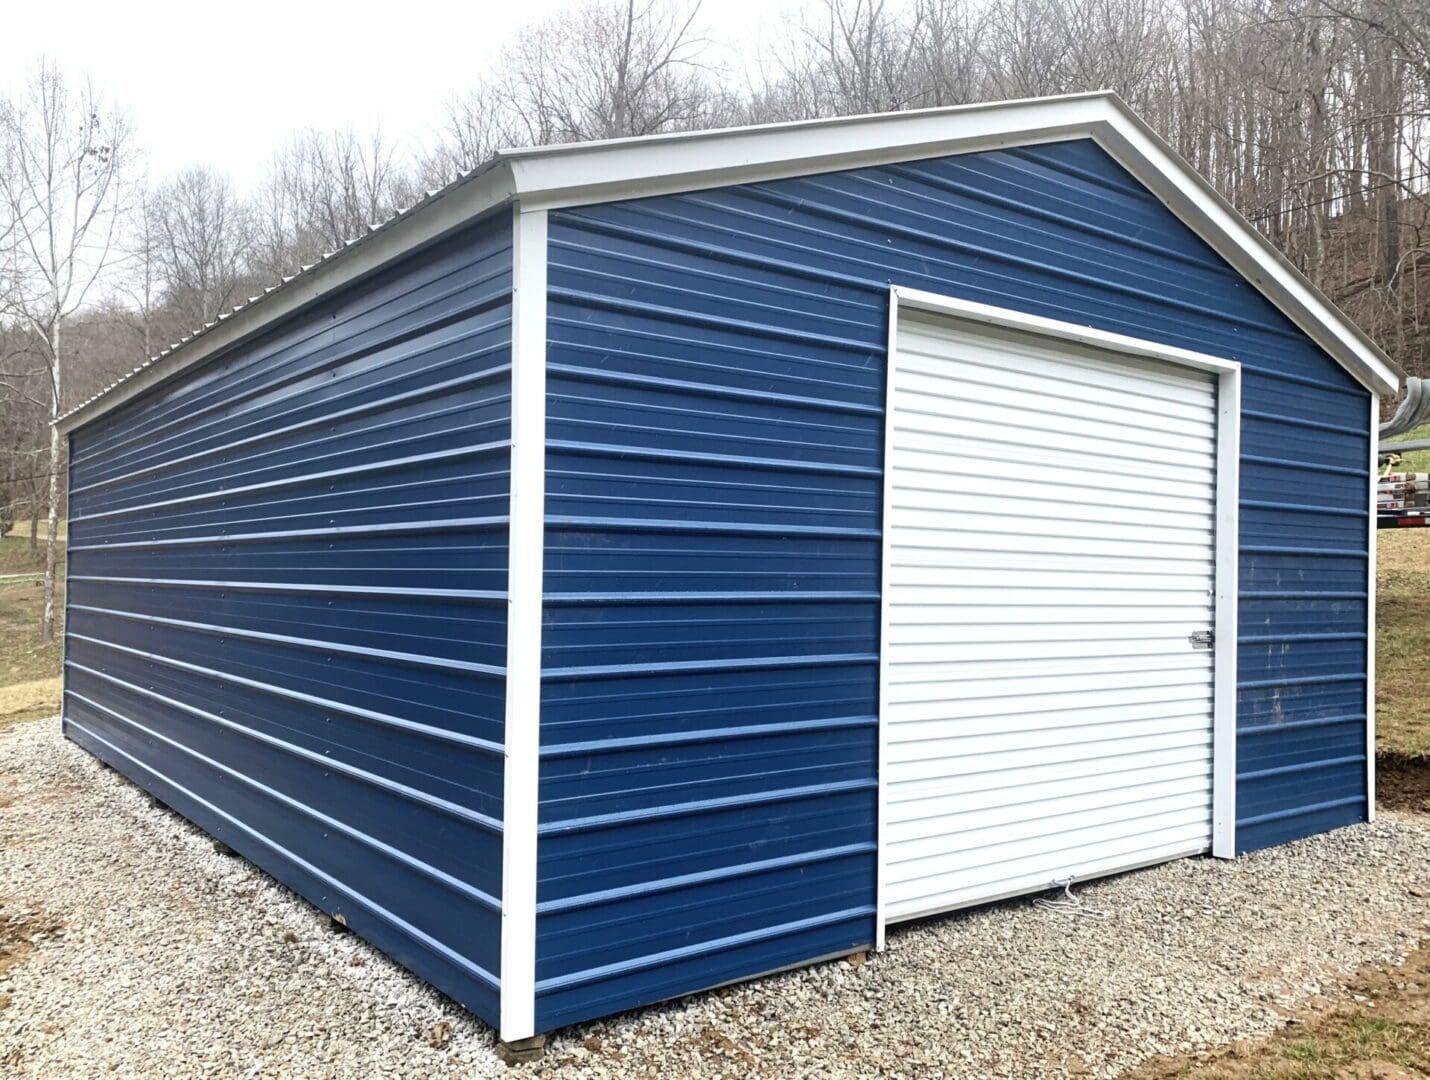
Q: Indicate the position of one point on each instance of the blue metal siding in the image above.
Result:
(716, 369)
(287, 606)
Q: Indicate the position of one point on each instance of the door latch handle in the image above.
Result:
(1202, 639)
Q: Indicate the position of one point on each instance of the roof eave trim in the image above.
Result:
(553, 178)
(589, 173)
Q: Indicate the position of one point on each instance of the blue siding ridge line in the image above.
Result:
(1301, 680)
(324, 419)
(362, 776)
(714, 528)
(303, 588)
(1039, 156)
(1296, 725)
(474, 970)
(399, 528)
(645, 453)
(714, 390)
(312, 644)
(642, 963)
(705, 735)
(760, 596)
(1303, 508)
(1303, 466)
(1300, 594)
(1294, 549)
(753, 663)
(1300, 811)
(457, 738)
(1301, 767)
(809, 271)
(1004, 258)
(330, 356)
(1276, 639)
(696, 318)
(881, 284)
(912, 171)
(674, 243)
(387, 465)
(441, 877)
(796, 303)
(254, 465)
(1305, 422)
(724, 873)
(701, 806)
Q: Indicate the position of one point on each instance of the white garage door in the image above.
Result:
(1050, 531)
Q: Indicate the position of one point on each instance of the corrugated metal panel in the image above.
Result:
(287, 603)
(717, 366)
(1046, 714)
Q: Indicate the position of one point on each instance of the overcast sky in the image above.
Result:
(226, 84)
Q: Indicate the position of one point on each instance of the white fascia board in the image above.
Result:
(449, 210)
(582, 174)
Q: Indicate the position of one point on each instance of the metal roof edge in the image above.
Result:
(586, 173)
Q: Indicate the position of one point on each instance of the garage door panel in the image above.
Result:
(1045, 711)
(1000, 878)
(1066, 377)
(1027, 777)
(1027, 826)
(1097, 414)
(972, 687)
(1046, 738)
(1053, 856)
(928, 527)
(929, 453)
(982, 645)
(936, 804)
(930, 431)
(1026, 721)
(1047, 486)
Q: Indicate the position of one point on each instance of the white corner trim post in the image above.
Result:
(1370, 611)
(526, 535)
(1228, 586)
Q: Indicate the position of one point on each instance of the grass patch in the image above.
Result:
(29, 670)
(22, 528)
(1402, 679)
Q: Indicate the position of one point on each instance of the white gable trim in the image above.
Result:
(582, 174)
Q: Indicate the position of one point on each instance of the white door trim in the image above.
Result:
(1227, 545)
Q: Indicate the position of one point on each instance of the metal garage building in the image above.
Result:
(600, 582)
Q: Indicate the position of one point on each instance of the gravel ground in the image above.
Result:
(128, 945)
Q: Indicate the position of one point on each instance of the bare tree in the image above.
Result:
(607, 70)
(322, 190)
(64, 160)
(200, 233)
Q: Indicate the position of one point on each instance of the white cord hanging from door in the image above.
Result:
(1068, 904)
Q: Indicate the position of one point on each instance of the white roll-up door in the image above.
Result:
(1050, 536)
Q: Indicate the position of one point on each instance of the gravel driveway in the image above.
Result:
(131, 946)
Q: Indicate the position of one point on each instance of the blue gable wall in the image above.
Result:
(716, 371)
(287, 601)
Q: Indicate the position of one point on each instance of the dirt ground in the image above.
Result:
(1383, 1033)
